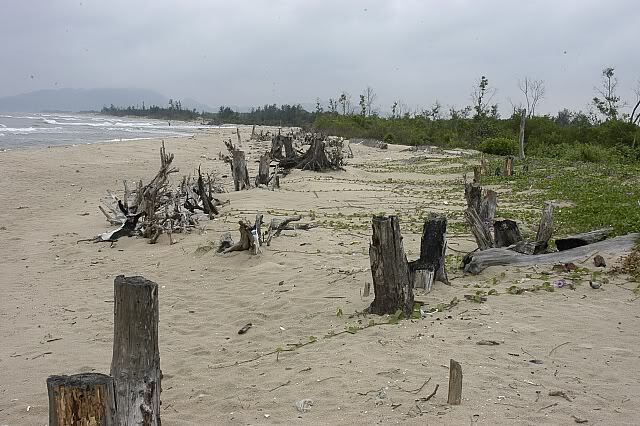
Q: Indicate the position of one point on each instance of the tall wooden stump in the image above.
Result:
(523, 115)
(545, 229)
(239, 171)
(288, 147)
(135, 366)
(508, 166)
(433, 246)
(276, 147)
(455, 383)
(263, 170)
(81, 399)
(389, 268)
(477, 174)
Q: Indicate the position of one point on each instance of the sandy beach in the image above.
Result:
(56, 309)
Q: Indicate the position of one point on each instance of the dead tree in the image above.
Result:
(390, 270)
(523, 117)
(81, 399)
(262, 177)
(135, 366)
(430, 266)
(238, 167)
(315, 158)
(583, 239)
(477, 261)
(250, 237)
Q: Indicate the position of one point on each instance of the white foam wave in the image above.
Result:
(26, 130)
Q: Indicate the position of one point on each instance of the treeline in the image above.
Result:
(173, 112)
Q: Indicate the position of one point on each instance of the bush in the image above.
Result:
(499, 146)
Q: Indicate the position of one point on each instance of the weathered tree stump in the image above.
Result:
(250, 237)
(135, 366)
(473, 195)
(480, 232)
(81, 399)
(481, 210)
(207, 200)
(455, 383)
(430, 266)
(263, 170)
(523, 117)
(277, 144)
(545, 229)
(477, 175)
(389, 268)
(239, 171)
(508, 166)
(506, 233)
(580, 240)
(289, 152)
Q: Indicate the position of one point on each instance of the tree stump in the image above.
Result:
(545, 229)
(506, 233)
(289, 152)
(239, 170)
(508, 166)
(135, 366)
(433, 246)
(477, 174)
(473, 195)
(81, 399)
(250, 237)
(389, 268)
(263, 170)
(276, 147)
(455, 383)
(480, 213)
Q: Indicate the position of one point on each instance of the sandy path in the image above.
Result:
(53, 288)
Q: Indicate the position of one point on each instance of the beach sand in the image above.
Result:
(56, 309)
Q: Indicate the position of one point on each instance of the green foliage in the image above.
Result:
(499, 146)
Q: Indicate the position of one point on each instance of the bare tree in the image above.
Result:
(369, 99)
(345, 103)
(533, 91)
(634, 118)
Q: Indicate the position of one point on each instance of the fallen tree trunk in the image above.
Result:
(433, 246)
(477, 261)
(579, 240)
(392, 284)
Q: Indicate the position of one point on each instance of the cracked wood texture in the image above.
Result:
(81, 399)
(135, 366)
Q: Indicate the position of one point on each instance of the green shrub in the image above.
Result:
(499, 146)
(388, 138)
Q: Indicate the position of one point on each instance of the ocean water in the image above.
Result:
(22, 130)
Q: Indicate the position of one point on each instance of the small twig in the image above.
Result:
(553, 350)
(368, 392)
(280, 386)
(415, 391)
(431, 395)
(548, 406)
(560, 393)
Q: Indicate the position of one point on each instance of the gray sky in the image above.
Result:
(256, 52)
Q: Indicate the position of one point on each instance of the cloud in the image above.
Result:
(256, 52)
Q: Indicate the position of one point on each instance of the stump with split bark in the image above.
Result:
(81, 399)
(263, 170)
(135, 366)
(277, 143)
(430, 266)
(250, 237)
(389, 268)
(545, 229)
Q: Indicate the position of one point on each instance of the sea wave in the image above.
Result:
(25, 130)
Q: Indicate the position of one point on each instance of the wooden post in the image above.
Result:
(523, 117)
(238, 134)
(81, 399)
(455, 383)
(545, 229)
(263, 170)
(239, 171)
(506, 233)
(389, 268)
(135, 366)
(508, 166)
(433, 246)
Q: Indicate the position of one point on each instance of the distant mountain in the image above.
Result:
(75, 100)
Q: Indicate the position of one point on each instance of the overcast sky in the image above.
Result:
(256, 52)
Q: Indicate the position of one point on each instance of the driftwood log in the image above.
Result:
(285, 223)
(392, 283)
(430, 266)
(135, 365)
(477, 261)
(580, 240)
(250, 237)
(81, 399)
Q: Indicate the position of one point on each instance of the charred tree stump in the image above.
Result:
(135, 366)
(263, 170)
(584, 239)
(389, 268)
(508, 166)
(433, 246)
(545, 229)
(455, 383)
(506, 233)
(81, 399)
